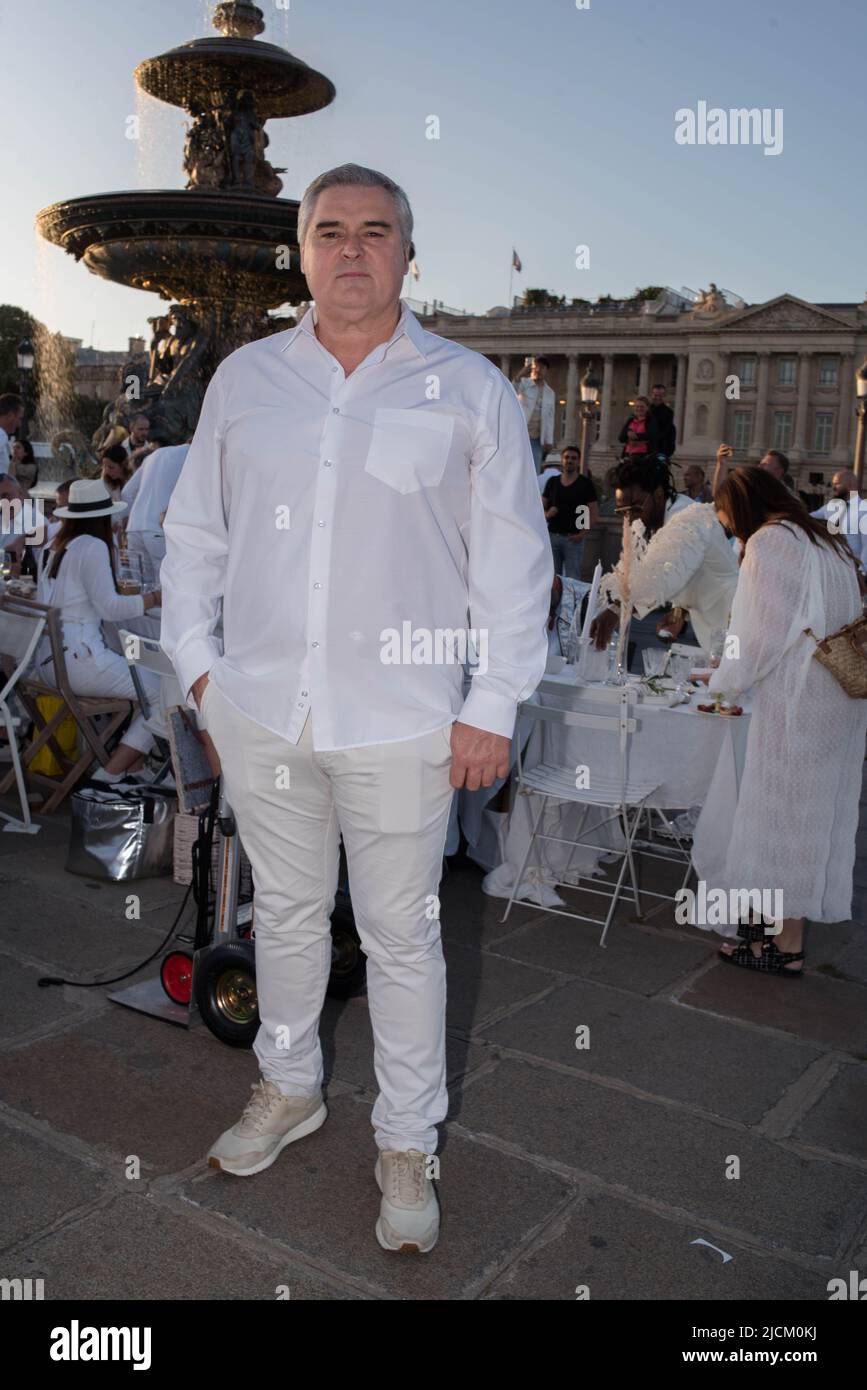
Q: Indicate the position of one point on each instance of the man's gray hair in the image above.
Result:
(354, 176)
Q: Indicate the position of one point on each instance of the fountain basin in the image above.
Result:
(180, 243)
(207, 73)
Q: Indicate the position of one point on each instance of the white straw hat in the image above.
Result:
(90, 497)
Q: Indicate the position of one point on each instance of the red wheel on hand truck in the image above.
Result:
(176, 976)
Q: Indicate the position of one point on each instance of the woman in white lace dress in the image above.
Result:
(797, 811)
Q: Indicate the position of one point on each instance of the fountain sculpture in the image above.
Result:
(224, 249)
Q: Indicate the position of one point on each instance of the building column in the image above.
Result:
(643, 374)
(800, 446)
(680, 395)
(760, 417)
(844, 448)
(505, 364)
(569, 428)
(603, 442)
(717, 403)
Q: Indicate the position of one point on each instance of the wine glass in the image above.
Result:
(717, 647)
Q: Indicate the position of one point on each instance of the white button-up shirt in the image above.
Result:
(158, 477)
(358, 530)
(848, 516)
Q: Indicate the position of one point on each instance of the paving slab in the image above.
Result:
(44, 864)
(620, 1251)
(130, 1084)
(642, 961)
(468, 916)
(839, 1120)
(816, 1008)
(137, 1249)
(809, 1205)
(320, 1200)
(26, 1007)
(90, 938)
(40, 1184)
(657, 1047)
(480, 984)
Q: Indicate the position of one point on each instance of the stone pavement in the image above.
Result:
(560, 1167)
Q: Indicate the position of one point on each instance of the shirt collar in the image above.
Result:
(407, 326)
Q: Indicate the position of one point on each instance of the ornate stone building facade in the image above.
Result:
(774, 375)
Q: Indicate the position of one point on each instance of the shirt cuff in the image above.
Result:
(196, 658)
(483, 709)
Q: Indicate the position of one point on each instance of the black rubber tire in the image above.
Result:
(348, 961)
(225, 990)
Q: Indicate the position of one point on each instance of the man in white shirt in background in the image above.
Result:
(360, 494)
(11, 415)
(537, 403)
(846, 514)
(145, 537)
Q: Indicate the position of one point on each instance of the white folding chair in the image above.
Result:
(20, 632)
(139, 650)
(613, 791)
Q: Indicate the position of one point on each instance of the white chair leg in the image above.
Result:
(520, 875)
(26, 823)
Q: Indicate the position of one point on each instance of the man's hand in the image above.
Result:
(197, 689)
(602, 628)
(479, 758)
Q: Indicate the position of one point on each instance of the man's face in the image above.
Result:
(839, 486)
(139, 432)
(657, 395)
(569, 459)
(773, 466)
(693, 480)
(639, 505)
(12, 419)
(353, 256)
(538, 371)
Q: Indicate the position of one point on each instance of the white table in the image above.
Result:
(692, 758)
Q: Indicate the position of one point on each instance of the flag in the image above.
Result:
(516, 261)
(413, 269)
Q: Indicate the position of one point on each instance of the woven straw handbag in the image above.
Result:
(844, 654)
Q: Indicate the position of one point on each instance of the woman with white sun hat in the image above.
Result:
(79, 578)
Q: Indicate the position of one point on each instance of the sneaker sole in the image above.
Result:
(301, 1131)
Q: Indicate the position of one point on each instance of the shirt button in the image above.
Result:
(334, 369)
(303, 692)
(327, 463)
(335, 410)
(314, 644)
(317, 586)
(320, 523)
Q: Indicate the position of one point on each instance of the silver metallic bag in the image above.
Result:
(121, 833)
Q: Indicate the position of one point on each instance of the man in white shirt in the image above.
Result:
(145, 537)
(537, 403)
(357, 492)
(11, 415)
(688, 563)
(846, 514)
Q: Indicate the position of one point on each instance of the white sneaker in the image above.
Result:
(409, 1214)
(270, 1121)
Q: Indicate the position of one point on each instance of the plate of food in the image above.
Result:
(721, 706)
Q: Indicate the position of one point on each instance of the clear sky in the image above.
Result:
(557, 129)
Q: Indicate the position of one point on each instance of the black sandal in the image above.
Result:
(771, 961)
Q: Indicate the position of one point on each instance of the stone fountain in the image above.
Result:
(223, 250)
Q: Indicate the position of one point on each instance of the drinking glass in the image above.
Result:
(717, 646)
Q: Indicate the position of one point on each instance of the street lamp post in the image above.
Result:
(861, 411)
(590, 387)
(25, 357)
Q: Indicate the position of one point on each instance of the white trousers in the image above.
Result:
(390, 802)
(94, 670)
(147, 549)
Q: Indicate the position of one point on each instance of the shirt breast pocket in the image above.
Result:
(409, 448)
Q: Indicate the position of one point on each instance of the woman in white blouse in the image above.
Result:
(797, 810)
(78, 577)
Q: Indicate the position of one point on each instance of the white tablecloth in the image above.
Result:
(692, 758)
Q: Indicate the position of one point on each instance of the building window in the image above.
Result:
(786, 371)
(701, 420)
(782, 429)
(828, 371)
(747, 371)
(743, 428)
(824, 432)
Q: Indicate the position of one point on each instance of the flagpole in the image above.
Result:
(511, 278)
